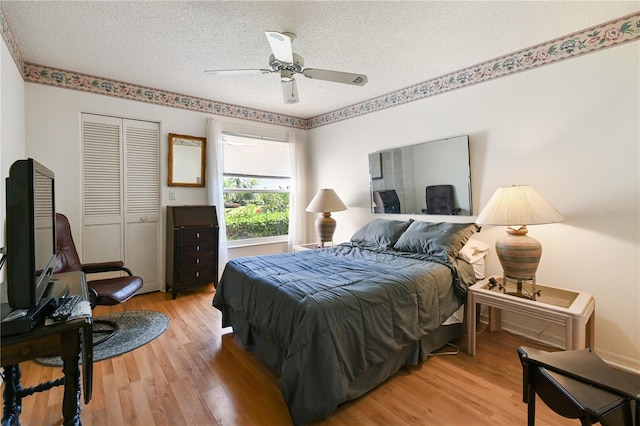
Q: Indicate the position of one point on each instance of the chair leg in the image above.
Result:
(585, 421)
(531, 406)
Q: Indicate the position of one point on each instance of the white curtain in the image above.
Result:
(215, 168)
(297, 214)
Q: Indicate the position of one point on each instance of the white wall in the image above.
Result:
(12, 127)
(571, 130)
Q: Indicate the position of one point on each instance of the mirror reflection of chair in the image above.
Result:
(386, 201)
(441, 200)
(571, 398)
(105, 291)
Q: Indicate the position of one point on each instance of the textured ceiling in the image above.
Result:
(168, 45)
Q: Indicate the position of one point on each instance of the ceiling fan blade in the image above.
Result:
(280, 45)
(290, 91)
(336, 76)
(238, 71)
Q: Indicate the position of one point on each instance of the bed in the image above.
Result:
(333, 323)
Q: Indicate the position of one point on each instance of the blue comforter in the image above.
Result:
(321, 317)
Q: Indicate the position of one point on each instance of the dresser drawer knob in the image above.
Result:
(197, 235)
(197, 248)
(197, 260)
(197, 274)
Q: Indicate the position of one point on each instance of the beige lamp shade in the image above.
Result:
(325, 201)
(517, 206)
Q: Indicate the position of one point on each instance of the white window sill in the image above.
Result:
(257, 242)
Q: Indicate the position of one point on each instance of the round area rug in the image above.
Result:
(135, 328)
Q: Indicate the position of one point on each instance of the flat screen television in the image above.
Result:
(31, 233)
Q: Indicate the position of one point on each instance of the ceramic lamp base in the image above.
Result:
(325, 227)
(519, 254)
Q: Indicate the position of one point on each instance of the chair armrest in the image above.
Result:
(93, 268)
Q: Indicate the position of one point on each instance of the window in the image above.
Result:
(257, 181)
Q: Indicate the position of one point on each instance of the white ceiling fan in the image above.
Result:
(287, 63)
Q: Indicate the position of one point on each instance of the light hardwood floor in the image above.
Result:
(197, 374)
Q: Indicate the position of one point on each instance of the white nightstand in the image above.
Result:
(310, 246)
(303, 247)
(575, 310)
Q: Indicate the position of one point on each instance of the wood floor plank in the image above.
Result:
(197, 373)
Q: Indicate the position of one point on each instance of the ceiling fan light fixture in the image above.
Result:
(286, 75)
(290, 91)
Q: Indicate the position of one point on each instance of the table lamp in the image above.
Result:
(519, 254)
(325, 202)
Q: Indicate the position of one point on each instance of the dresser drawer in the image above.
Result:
(205, 246)
(203, 273)
(191, 259)
(196, 234)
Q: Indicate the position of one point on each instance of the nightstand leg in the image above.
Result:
(568, 336)
(471, 324)
(590, 335)
(495, 319)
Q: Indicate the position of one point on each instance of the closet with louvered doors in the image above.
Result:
(121, 195)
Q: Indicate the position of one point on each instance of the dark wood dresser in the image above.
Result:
(192, 247)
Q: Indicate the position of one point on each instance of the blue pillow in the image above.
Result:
(434, 238)
(380, 233)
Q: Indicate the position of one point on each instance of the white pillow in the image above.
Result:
(474, 252)
(478, 269)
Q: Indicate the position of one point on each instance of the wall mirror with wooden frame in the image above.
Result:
(186, 160)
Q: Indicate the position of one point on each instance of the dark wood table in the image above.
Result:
(587, 367)
(71, 339)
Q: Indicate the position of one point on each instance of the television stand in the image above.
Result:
(71, 339)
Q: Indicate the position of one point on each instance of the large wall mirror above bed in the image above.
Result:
(425, 178)
(186, 160)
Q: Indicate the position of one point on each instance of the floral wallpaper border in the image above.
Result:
(612, 33)
(11, 43)
(609, 34)
(98, 85)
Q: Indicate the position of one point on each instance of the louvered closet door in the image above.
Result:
(102, 189)
(142, 200)
(121, 194)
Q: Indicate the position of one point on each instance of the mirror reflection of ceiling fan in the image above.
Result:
(287, 63)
